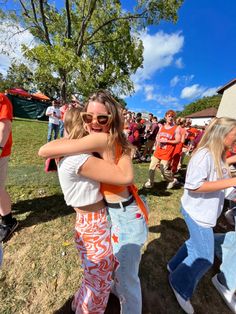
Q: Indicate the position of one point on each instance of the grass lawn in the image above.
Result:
(41, 267)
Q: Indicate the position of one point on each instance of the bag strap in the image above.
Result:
(134, 191)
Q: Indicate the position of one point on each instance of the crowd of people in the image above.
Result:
(94, 160)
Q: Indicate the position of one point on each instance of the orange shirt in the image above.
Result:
(6, 113)
(165, 151)
(107, 189)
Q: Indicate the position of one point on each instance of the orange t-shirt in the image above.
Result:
(165, 151)
(6, 113)
(107, 189)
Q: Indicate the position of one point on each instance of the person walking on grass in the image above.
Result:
(201, 204)
(128, 213)
(79, 177)
(8, 223)
(166, 140)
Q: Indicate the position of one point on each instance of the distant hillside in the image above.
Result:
(201, 104)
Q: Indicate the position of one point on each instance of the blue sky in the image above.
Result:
(187, 60)
(183, 61)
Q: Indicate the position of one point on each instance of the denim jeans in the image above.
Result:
(193, 259)
(61, 128)
(52, 128)
(129, 233)
(225, 250)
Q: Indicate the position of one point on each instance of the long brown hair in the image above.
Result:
(117, 135)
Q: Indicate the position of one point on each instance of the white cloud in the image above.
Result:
(179, 63)
(191, 91)
(196, 90)
(210, 91)
(159, 52)
(12, 37)
(174, 81)
(181, 80)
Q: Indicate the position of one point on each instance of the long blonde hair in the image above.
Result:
(116, 134)
(73, 124)
(213, 140)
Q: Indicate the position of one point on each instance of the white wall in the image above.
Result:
(200, 121)
(227, 107)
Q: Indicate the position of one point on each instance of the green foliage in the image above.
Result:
(201, 104)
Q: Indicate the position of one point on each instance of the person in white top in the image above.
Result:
(54, 114)
(202, 203)
(79, 177)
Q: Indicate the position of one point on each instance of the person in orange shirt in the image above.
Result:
(8, 223)
(167, 138)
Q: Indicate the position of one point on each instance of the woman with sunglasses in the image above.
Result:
(102, 120)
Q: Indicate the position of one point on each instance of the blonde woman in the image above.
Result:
(202, 203)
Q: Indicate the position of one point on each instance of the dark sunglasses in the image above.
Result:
(102, 119)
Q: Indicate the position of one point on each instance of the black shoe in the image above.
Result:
(66, 307)
(7, 230)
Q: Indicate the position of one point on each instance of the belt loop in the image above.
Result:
(122, 207)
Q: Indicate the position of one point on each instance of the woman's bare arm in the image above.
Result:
(95, 142)
(103, 171)
(212, 186)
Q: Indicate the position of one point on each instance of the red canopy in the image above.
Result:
(40, 96)
(19, 92)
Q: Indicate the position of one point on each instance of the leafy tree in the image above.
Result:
(201, 104)
(89, 44)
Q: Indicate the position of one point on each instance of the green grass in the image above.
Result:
(41, 268)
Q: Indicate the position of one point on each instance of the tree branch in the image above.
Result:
(128, 17)
(41, 5)
(68, 19)
(80, 41)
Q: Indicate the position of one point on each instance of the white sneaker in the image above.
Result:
(172, 184)
(185, 305)
(228, 296)
(168, 268)
(148, 184)
(229, 216)
(143, 158)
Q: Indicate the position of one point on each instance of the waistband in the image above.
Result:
(91, 207)
(120, 204)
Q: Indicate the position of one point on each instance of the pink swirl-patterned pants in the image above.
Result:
(93, 241)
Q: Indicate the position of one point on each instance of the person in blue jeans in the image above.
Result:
(54, 115)
(225, 280)
(201, 204)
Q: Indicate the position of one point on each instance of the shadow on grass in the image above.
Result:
(41, 210)
(157, 295)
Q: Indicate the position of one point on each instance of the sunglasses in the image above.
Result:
(102, 119)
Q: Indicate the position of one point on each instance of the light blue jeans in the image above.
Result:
(193, 259)
(52, 128)
(129, 232)
(225, 250)
(61, 128)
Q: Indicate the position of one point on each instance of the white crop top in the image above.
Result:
(78, 190)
